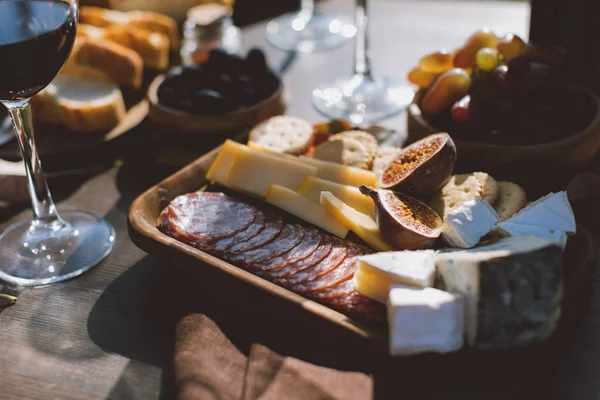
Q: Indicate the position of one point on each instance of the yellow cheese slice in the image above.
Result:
(219, 169)
(364, 226)
(257, 147)
(303, 208)
(341, 174)
(372, 285)
(254, 171)
(312, 187)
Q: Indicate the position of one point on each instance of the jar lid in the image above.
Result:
(206, 15)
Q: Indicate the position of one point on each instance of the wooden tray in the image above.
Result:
(581, 258)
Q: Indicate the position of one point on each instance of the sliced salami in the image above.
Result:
(206, 216)
(343, 272)
(291, 269)
(335, 257)
(308, 245)
(343, 289)
(254, 229)
(291, 235)
(273, 226)
(356, 303)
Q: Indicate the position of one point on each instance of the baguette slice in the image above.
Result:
(148, 20)
(82, 99)
(122, 65)
(152, 47)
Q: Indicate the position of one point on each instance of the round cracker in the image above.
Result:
(463, 188)
(364, 138)
(512, 199)
(284, 134)
(385, 155)
(344, 151)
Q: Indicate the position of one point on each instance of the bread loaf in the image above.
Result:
(80, 98)
(121, 64)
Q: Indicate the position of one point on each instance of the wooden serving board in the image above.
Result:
(581, 258)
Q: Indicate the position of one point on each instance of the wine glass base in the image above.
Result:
(362, 99)
(33, 256)
(304, 34)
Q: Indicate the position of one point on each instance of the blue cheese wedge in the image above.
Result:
(465, 226)
(424, 320)
(376, 272)
(513, 290)
(550, 217)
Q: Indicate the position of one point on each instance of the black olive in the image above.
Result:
(256, 61)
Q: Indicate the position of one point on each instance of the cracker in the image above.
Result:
(385, 155)
(511, 200)
(364, 138)
(344, 151)
(462, 188)
(284, 134)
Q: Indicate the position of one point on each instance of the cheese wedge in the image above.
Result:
(341, 173)
(424, 321)
(376, 272)
(513, 290)
(253, 172)
(362, 225)
(466, 225)
(303, 208)
(312, 187)
(219, 169)
(252, 145)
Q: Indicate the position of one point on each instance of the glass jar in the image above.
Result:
(206, 27)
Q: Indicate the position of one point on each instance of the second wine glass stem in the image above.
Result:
(307, 7)
(362, 63)
(44, 211)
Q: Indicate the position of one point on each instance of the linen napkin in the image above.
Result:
(209, 366)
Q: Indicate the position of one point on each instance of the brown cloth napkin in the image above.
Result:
(209, 366)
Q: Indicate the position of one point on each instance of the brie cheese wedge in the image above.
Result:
(551, 217)
(466, 225)
(424, 320)
(376, 272)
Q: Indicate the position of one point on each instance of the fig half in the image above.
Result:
(422, 168)
(405, 222)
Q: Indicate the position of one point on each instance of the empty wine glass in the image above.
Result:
(36, 37)
(363, 97)
(307, 31)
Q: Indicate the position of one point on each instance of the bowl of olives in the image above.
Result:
(226, 94)
(508, 106)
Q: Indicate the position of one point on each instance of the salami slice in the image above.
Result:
(291, 269)
(273, 226)
(206, 216)
(254, 229)
(308, 245)
(356, 303)
(343, 272)
(335, 257)
(291, 235)
(343, 289)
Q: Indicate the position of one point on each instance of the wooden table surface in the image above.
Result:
(110, 332)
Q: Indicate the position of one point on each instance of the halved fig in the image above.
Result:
(405, 222)
(422, 168)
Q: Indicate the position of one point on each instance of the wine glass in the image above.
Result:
(363, 97)
(36, 37)
(306, 31)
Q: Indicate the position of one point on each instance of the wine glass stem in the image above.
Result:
(362, 63)
(307, 8)
(44, 211)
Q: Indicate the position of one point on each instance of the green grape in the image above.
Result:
(487, 59)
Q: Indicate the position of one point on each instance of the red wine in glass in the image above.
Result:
(36, 38)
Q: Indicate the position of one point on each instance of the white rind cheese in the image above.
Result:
(424, 321)
(466, 225)
(550, 217)
(376, 272)
(513, 290)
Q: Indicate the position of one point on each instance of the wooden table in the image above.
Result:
(110, 332)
